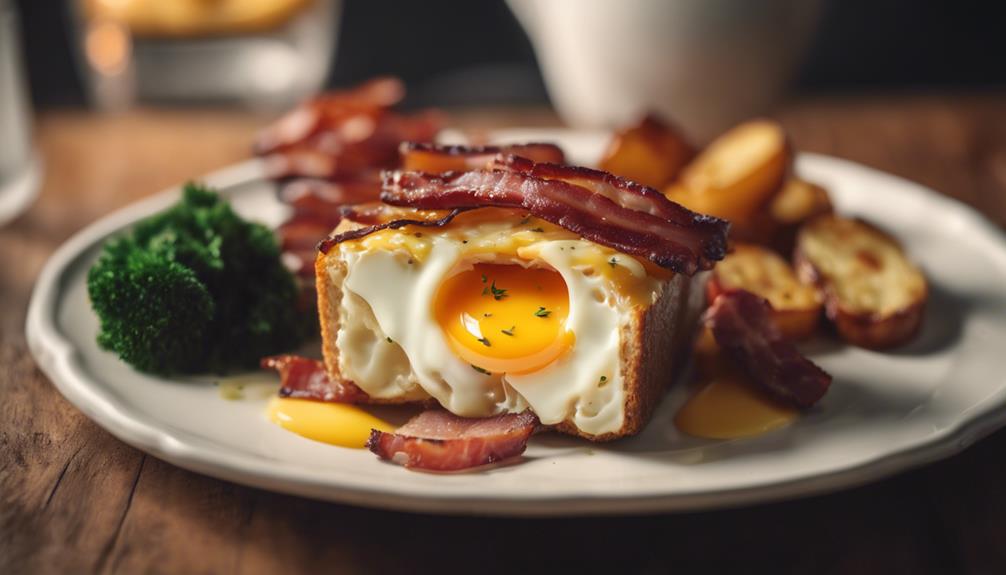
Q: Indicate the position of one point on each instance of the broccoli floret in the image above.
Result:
(195, 288)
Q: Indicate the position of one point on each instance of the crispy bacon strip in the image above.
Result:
(304, 378)
(437, 440)
(742, 324)
(349, 144)
(328, 111)
(437, 159)
(639, 223)
(323, 199)
(625, 193)
(301, 232)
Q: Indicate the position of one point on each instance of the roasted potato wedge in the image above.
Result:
(796, 307)
(738, 174)
(650, 153)
(797, 202)
(872, 292)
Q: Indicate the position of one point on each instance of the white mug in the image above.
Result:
(703, 64)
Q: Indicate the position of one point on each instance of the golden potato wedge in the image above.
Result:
(872, 292)
(796, 307)
(797, 202)
(737, 175)
(650, 153)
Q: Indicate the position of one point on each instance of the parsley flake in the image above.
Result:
(498, 293)
(479, 369)
(613, 262)
(542, 312)
(388, 339)
(538, 230)
(509, 331)
(484, 278)
(603, 381)
(485, 291)
(485, 341)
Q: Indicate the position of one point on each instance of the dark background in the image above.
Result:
(468, 52)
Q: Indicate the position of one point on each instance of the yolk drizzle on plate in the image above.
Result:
(728, 408)
(726, 405)
(335, 423)
(505, 318)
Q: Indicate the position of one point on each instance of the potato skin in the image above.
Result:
(875, 328)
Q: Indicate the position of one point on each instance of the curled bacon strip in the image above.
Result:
(324, 199)
(438, 440)
(639, 221)
(328, 111)
(303, 378)
(349, 144)
(742, 324)
(437, 159)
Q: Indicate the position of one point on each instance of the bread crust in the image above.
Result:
(654, 343)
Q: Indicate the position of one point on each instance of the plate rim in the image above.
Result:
(55, 356)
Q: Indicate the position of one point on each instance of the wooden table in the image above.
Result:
(74, 499)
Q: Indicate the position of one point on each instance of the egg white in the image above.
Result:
(392, 346)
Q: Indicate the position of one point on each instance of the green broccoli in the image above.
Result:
(195, 288)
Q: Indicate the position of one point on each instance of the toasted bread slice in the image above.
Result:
(796, 307)
(650, 153)
(737, 174)
(872, 292)
(654, 343)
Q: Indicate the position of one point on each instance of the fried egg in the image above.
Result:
(495, 312)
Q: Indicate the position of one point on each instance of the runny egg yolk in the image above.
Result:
(505, 318)
(727, 407)
(335, 423)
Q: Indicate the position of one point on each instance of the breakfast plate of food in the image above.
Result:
(379, 312)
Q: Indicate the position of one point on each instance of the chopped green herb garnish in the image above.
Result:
(509, 331)
(485, 291)
(539, 230)
(542, 312)
(603, 381)
(485, 341)
(388, 339)
(484, 278)
(498, 293)
(479, 369)
(613, 262)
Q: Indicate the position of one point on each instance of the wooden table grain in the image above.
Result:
(74, 499)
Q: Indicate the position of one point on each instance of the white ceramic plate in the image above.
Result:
(884, 413)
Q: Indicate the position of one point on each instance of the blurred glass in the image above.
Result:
(262, 53)
(19, 170)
